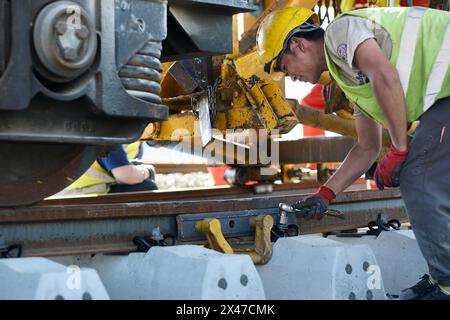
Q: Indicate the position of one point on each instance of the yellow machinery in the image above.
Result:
(241, 103)
(239, 99)
(243, 95)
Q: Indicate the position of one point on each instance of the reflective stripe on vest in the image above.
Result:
(95, 189)
(408, 46)
(440, 69)
(103, 176)
(96, 179)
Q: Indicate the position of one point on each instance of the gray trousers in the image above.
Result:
(425, 187)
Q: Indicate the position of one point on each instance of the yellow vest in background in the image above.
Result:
(96, 180)
(348, 5)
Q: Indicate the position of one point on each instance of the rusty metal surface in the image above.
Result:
(49, 230)
(165, 168)
(315, 149)
(170, 207)
(218, 192)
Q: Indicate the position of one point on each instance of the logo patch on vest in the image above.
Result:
(342, 51)
(361, 78)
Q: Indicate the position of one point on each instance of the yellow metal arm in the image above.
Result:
(213, 232)
(260, 253)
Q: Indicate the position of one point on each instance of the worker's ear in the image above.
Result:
(297, 44)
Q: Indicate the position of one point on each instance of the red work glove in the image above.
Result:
(387, 173)
(314, 206)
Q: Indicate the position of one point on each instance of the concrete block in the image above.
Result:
(42, 279)
(177, 273)
(316, 268)
(398, 255)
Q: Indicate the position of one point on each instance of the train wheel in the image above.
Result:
(31, 172)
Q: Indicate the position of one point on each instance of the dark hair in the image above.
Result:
(314, 35)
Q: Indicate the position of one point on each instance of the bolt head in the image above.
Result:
(82, 33)
(70, 54)
(138, 24)
(61, 27)
(141, 25)
(124, 5)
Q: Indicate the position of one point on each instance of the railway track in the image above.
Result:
(107, 224)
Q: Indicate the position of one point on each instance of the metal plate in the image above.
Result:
(233, 223)
(236, 223)
(231, 6)
(201, 27)
(47, 120)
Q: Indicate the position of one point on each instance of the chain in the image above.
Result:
(195, 106)
(212, 100)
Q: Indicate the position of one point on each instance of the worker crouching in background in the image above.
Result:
(117, 172)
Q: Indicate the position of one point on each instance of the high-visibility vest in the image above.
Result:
(96, 180)
(348, 5)
(421, 53)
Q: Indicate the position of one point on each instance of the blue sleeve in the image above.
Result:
(140, 152)
(115, 159)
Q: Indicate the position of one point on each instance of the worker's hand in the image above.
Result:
(148, 170)
(387, 173)
(314, 206)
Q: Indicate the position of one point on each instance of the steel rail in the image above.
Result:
(50, 229)
(180, 194)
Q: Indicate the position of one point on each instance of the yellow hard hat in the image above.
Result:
(275, 31)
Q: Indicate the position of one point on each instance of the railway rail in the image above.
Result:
(107, 224)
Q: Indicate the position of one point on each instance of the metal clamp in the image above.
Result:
(157, 239)
(382, 223)
(260, 253)
(212, 230)
(263, 250)
(8, 251)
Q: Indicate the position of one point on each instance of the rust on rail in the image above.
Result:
(108, 224)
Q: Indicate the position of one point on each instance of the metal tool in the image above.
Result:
(335, 213)
(329, 212)
(283, 228)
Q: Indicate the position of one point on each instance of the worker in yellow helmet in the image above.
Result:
(117, 172)
(393, 64)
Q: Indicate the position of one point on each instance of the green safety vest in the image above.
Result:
(96, 180)
(420, 52)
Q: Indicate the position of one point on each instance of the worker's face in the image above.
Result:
(302, 62)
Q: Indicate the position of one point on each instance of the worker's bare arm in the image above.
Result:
(130, 174)
(385, 80)
(361, 156)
